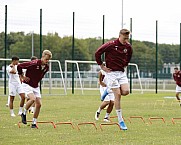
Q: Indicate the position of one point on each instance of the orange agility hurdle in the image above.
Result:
(117, 117)
(85, 123)
(109, 124)
(175, 119)
(156, 118)
(39, 122)
(60, 123)
(131, 117)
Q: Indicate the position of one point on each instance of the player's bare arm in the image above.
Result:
(104, 68)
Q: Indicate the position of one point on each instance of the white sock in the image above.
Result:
(34, 120)
(32, 109)
(107, 115)
(11, 111)
(20, 109)
(24, 111)
(99, 110)
(8, 100)
(119, 114)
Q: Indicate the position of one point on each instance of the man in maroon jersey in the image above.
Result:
(35, 71)
(117, 56)
(177, 78)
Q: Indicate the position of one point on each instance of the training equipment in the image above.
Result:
(85, 123)
(175, 119)
(109, 124)
(60, 123)
(38, 122)
(82, 80)
(161, 102)
(156, 118)
(131, 117)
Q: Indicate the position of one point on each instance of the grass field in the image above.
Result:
(81, 108)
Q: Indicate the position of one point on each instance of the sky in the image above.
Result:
(57, 15)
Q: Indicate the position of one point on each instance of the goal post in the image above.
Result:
(77, 62)
(50, 74)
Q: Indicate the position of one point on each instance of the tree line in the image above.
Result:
(20, 44)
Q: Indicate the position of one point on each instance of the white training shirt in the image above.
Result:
(13, 78)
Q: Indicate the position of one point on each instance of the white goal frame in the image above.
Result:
(93, 62)
(50, 72)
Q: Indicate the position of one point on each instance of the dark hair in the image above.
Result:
(34, 57)
(176, 68)
(15, 58)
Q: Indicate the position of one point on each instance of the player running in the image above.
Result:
(177, 78)
(108, 100)
(35, 71)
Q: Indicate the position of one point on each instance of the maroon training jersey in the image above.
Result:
(177, 78)
(35, 71)
(117, 55)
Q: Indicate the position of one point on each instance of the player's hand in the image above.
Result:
(102, 84)
(104, 68)
(26, 79)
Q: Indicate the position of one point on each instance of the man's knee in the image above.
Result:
(124, 93)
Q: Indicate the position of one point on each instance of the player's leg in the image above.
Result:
(28, 104)
(31, 100)
(37, 111)
(37, 106)
(7, 105)
(102, 106)
(178, 90)
(12, 94)
(22, 101)
(178, 98)
(33, 108)
(108, 111)
(124, 89)
(11, 106)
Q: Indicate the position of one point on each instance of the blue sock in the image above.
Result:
(104, 95)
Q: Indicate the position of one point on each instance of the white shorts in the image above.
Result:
(116, 78)
(178, 89)
(15, 88)
(109, 97)
(28, 89)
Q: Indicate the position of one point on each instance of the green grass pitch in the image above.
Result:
(81, 108)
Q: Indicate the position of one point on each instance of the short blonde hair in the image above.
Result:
(47, 52)
(124, 32)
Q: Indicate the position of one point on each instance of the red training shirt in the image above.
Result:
(35, 71)
(117, 55)
(177, 78)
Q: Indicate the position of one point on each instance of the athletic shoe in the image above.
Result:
(104, 95)
(106, 119)
(23, 117)
(122, 125)
(33, 126)
(13, 115)
(7, 105)
(97, 115)
(19, 113)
